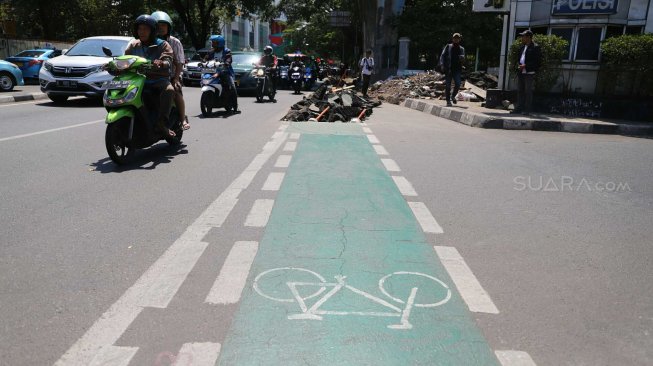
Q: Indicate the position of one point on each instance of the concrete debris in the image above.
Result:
(329, 104)
(427, 85)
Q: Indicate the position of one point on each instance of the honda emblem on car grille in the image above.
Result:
(69, 70)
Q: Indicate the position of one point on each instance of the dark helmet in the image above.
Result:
(267, 50)
(163, 17)
(147, 20)
(219, 39)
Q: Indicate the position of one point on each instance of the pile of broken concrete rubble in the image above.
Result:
(328, 104)
(428, 85)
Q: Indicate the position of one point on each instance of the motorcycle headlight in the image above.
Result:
(124, 64)
(260, 72)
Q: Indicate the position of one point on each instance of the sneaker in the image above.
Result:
(454, 101)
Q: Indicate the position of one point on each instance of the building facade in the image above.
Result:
(250, 34)
(584, 24)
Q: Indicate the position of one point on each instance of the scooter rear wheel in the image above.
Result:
(115, 141)
(205, 104)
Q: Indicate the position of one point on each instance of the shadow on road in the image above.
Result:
(144, 159)
(76, 102)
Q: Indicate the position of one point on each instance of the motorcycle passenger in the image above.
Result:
(158, 78)
(223, 54)
(270, 61)
(164, 30)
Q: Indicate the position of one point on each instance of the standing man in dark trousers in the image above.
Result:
(530, 58)
(451, 63)
(367, 68)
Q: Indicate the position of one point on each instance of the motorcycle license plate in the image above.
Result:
(67, 83)
(116, 84)
(237, 82)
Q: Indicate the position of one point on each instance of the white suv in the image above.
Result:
(79, 70)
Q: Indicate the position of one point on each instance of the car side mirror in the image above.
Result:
(107, 51)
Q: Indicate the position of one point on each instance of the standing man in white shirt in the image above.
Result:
(367, 69)
(530, 58)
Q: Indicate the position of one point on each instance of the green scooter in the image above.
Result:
(130, 124)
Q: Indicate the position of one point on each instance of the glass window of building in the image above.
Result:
(614, 31)
(588, 44)
(566, 34)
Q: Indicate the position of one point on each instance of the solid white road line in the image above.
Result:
(468, 286)
(114, 356)
(290, 146)
(230, 282)
(373, 139)
(390, 165)
(380, 150)
(22, 103)
(404, 186)
(157, 286)
(367, 130)
(425, 218)
(294, 136)
(260, 213)
(50, 130)
(514, 358)
(198, 354)
(283, 161)
(273, 183)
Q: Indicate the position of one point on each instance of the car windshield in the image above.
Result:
(93, 47)
(245, 59)
(31, 53)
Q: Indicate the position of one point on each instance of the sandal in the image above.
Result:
(185, 125)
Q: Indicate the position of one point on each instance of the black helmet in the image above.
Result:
(147, 20)
(267, 50)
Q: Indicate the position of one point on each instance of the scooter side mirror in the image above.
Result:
(107, 51)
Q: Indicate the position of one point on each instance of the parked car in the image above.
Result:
(243, 63)
(79, 70)
(10, 76)
(192, 72)
(31, 61)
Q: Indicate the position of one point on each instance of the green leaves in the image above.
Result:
(629, 57)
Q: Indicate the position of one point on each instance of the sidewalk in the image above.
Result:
(23, 94)
(472, 114)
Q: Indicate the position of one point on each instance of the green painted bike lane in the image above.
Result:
(344, 274)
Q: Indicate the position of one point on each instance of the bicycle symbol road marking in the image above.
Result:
(328, 289)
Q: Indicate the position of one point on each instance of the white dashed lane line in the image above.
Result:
(273, 182)
(114, 356)
(197, 354)
(425, 218)
(260, 213)
(380, 150)
(373, 139)
(514, 358)
(404, 186)
(229, 285)
(283, 161)
(468, 286)
(290, 146)
(390, 165)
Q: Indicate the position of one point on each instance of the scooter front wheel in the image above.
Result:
(205, 104)
(115, 139)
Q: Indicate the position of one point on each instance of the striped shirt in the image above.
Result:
(178, 51)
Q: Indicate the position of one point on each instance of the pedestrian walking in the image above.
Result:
(529, 62)
(452, 59)
(367, 69)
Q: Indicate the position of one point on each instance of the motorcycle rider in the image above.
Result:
(223, 54)
(148, 46)
(297, 61)
(270, 61)
(164, 30)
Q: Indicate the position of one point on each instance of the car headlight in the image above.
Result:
(48, 66)
(95, 69)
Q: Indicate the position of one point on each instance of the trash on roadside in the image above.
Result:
(330, 104)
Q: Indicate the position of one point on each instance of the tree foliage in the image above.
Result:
(553, 49)
(429, 25)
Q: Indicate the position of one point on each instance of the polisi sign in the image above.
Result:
(584, 7)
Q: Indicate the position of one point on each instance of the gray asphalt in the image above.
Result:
(570, 271)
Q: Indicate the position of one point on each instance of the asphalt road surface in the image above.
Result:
(406, 240)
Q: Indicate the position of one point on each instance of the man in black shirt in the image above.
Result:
(451, 63)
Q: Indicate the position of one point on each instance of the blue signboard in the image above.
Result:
(584, 7)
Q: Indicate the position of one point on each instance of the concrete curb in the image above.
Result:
(479, 120)
(22, 97)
